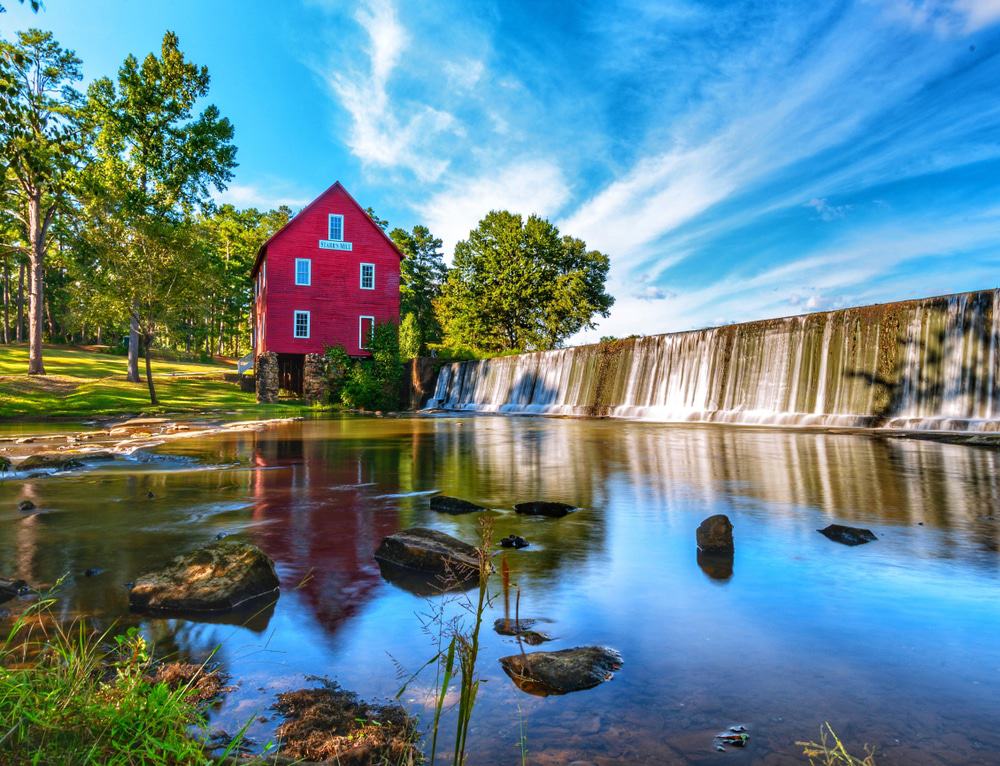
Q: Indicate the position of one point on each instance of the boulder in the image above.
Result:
(431, 552)
(568, 670)
(216, 578)
(715, 534)
(453, 505)
(544, 508)
(49, 461)
(25, 506)
(848, 535)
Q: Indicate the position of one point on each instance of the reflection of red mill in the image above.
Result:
(930, 364)
(321, 530)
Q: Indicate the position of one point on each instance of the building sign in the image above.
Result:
(335, 244)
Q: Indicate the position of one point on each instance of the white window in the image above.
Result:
(366, 327)
(367, 276)
(301, 324)
(336, 231)
(303, 271)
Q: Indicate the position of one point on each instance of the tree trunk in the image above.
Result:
(20, 302)
(6, 300)
(133, 349)
(36, 265)
(149, 374)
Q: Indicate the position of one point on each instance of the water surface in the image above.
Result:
(895, 643)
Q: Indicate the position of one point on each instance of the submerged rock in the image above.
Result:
(331, 725)
(453, 505)
(546, 508)
(717, 566)
(429, 551)
(513, 541)
(568, 670)
(11, 588)
(522, 629)
(715, 534)
(848, 535)
(216, 578)
(49, 461)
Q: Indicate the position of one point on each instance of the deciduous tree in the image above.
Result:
(422, 273)
(40, 142)
(517, 285)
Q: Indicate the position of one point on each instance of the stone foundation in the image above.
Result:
(315, 384)
(266, 371)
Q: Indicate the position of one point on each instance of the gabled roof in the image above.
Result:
(336, 184)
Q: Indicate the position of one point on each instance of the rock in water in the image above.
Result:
(453, 505)
(216, 578)
(11, 588)
(544, 508)
(26, 505)
(848, 535)
(568, 670)
(48, 461)
(523, 629)
(4, 464)
(513, 541)
(429, 551)
(715, 534)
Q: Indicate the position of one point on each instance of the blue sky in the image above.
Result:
(735, 160)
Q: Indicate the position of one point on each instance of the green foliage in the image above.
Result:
(338, 367)
(422, 273)
(86, 698)
(410, 339)
(374, 383)
(517, 285)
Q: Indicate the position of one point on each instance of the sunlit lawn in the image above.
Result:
(84, 383)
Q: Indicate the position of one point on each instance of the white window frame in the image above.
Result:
(309, 271)
(361, 276)
(329, 227)
(361, 332)
(295, 324)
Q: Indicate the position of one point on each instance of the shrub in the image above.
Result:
(374, 383)
(410, 339)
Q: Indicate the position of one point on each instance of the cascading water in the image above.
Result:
(925, 364)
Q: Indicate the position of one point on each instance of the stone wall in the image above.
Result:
(315, 383)
(266, 371)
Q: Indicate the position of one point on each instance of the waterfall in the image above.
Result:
(926, 364)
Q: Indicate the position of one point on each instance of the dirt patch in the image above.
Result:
(205, 684)
(331, 724)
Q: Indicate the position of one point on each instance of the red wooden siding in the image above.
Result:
(335, 299)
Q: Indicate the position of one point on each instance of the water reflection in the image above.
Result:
(791, 631)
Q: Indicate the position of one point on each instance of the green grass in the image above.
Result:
(83, 383)
(70, 696)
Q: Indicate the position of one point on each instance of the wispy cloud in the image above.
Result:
(387, 132)
(264, 197)
(827, 211)
(945, 17)
(526, 187)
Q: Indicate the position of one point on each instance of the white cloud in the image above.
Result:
(526, 187)
(252, 195)
(826, 211)
(946, 18)
(385, 132)
(464, 74)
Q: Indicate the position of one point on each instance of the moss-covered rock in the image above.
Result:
(216, 578)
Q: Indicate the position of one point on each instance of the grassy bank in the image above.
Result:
(84, 383)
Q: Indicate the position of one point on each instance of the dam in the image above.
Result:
(927, 364)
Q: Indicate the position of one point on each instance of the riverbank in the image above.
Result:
(82, 383)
